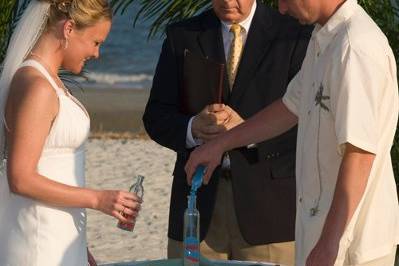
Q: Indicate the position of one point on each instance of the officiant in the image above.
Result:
(248, 208)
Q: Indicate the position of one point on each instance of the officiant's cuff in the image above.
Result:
(191, 142)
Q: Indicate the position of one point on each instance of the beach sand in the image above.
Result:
(117, 110)
(111, 163)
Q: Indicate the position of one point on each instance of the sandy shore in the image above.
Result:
(114, 109)
(111, 164)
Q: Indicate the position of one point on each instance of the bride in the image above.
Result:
(42, 193)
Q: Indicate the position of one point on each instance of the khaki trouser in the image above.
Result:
(224, 239)
(388, 260)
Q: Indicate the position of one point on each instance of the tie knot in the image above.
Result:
(235, 29)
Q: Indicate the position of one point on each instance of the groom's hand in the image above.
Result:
(208, 155)
(210, 122)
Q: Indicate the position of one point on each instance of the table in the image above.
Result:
(179, 262)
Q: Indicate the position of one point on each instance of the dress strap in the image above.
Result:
(39, 67)
(5, 147)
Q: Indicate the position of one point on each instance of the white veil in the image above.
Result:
(25, 35)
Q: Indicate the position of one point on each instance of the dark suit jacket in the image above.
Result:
(263, 178)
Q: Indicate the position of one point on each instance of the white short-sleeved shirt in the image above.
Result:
(346, 92)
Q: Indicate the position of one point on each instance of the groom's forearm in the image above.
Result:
(270, 122)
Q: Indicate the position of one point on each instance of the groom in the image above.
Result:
(248, 209)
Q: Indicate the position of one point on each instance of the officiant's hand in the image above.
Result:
(234, 119)
(210, 122)
(116, 203)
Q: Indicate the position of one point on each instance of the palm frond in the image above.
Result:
(18, 12)
(10, 14)
(6, 18)
(161, 12)
(13, 11)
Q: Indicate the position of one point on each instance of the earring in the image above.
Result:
(65, 43)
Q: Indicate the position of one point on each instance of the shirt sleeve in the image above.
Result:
(292, 96)
(190, 141)
(356, 82)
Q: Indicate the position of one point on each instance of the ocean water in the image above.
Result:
(127, 58)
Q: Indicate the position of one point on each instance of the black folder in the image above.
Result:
(202, 82)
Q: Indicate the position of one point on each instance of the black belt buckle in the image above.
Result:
(225, 173)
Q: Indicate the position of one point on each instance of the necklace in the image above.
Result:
(66, 91)
(46, 66)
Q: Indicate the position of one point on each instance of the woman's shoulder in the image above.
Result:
(30, 90)
(29, 81)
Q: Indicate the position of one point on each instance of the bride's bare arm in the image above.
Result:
(31, 108)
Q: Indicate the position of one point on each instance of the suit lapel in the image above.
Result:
(258, 41)
(211, 43)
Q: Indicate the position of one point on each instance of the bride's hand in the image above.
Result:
(90, 259)
(116, 203)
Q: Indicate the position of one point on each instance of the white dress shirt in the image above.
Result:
(227, 39)
(346, 92)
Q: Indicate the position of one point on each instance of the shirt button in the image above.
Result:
(300, 199)
(309, 112)
(318, 54)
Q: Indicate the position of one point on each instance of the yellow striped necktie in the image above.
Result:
(235, 53)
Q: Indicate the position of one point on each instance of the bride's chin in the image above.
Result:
(82, 65)
(77, 70)
(74, 68)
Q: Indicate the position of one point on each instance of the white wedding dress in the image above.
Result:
(33, 233)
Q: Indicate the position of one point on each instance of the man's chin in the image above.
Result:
(231, 18)
(303, 22)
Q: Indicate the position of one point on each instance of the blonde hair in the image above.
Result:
(84, 13)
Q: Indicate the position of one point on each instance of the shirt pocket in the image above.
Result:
(283, 166)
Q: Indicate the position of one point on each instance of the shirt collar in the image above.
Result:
(245, 24)
(325, 34)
